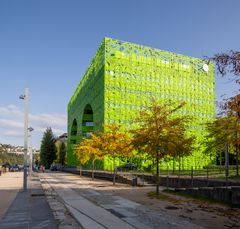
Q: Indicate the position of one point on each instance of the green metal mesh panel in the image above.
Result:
(129, 75)
(89, 91)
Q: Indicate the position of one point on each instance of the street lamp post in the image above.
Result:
(30, 129)
(25, 98)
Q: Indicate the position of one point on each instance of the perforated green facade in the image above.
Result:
(121, 80)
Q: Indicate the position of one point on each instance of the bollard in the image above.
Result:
(134, 181)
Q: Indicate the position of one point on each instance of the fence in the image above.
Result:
(213, 172)
(208, 176)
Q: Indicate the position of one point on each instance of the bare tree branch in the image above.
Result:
(227, 62)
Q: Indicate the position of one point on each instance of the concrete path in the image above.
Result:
(29, 209)
(88, 214)
(10, 183)
(95, 209)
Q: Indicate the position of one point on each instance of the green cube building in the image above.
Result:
(121, 80)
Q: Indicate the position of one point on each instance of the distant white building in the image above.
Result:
(62, 138)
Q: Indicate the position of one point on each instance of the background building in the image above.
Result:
(121, 80)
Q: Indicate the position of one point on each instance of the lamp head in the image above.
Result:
(22, 97)
(30, 129)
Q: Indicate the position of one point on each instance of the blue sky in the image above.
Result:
(46, 45)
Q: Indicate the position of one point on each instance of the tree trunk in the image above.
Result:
(226, 162)
(179, 166)
(182, 166)
(157, 182)
(93, 170)
(114, 171)
(220, 159)
(237, 151)
(173, 168)
(179, 170)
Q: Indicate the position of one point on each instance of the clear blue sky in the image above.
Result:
(46, 45)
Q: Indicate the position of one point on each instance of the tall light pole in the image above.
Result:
(30, 129)
(25, 98)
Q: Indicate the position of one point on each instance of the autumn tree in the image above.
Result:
(115, 143)
(216, 137)
(161, 133)
(90, 148)
(234, 107)
(83, 150)
(226, 129)
(228, 62)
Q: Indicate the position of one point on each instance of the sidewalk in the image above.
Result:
(93, 206)
(29, 210)
(87, 214)
(10, 183)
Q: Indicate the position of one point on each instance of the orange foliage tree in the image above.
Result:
(226, 129)
(161, 133)
(116, 143)
(90, 149)
(113, 142)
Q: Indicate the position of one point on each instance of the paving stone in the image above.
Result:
(94, 209)
(29, 211)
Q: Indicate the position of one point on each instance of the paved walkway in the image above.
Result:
(89, 215)
(10, 183)
(93, 209)
(29, 209)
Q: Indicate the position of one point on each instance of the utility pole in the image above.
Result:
(25, 98)
(30, 129)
